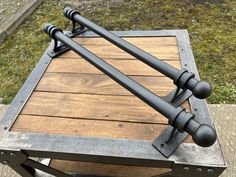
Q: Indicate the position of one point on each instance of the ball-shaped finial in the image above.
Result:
(202, 90)
(204, 136)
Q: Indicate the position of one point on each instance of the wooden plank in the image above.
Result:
(106, 169)
(102, 107)
(99, 84)
(89, 128)
(105, 107)
(138, 41)
(85, 127)
(128, 67)
(111, 51)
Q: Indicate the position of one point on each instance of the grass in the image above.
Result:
(211, 25)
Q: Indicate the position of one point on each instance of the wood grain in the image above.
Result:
(106, 169)
(85, 127)
(99, 84)
(111, 51)
(139, 41)
(128, 67)
(104, 107)
(75, 98)
(161, 47)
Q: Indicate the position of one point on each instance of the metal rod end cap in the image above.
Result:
(69, 13)
(202, 90)
(204, 136)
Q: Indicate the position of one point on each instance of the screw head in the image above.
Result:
(199, 170)
(2, 153)
(12, 154)
(5, 162)
(210, 171)
(186, 168)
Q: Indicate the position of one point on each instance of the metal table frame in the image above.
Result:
(17, 148)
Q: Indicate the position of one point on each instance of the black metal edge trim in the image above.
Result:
(90, 149)
(24, 93)
(198, 106)
(183, 170)
(108, 150)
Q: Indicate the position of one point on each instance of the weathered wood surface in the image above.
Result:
(162, 47)
(92, 106)
(99, 84)
(138, 41)
(129, 67)
(88, 127)
(75, 98)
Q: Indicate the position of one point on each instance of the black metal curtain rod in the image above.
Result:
(203, 135)
(182, 78)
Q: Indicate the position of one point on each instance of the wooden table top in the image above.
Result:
(75, 98)
(72, 111)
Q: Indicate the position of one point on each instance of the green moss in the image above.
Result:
(211, 25)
